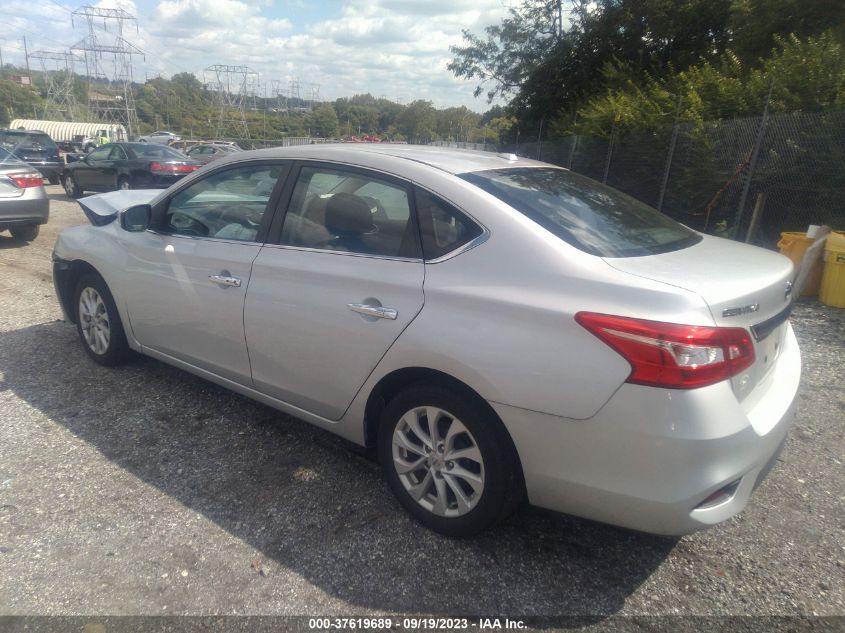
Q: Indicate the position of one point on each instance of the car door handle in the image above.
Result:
(225, 280)
(374, 311)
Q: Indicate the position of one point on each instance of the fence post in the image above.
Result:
(670, 155)
(758, 142)
(609, 153)
(573, 143)
(539, 139)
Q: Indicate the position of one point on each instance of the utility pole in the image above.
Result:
(1, 63)
(26, 55)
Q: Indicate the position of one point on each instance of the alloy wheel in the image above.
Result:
(94, 320)
(70, 186)
(438, 461)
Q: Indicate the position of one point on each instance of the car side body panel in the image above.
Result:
(299, 301)
(497, 316)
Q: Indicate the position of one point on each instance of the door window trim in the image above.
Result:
(162, 206)
(275, 235)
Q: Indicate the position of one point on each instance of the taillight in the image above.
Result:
(166, 168)
(672, 355)
(24, 181)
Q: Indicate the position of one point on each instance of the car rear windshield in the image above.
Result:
(144, 150)
(584, 213)
(11, 139)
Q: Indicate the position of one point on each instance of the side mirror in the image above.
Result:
(136, 219)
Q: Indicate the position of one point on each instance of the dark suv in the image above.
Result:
(35, 148)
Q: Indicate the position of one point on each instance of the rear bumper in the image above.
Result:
(650, 457)
(31, 208)
(49, 170)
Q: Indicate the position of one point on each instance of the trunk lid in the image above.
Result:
(743, 286)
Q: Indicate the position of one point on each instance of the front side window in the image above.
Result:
(350, 212)
(584, 213)
(117, 153)
(228, 205)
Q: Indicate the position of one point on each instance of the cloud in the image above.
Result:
(395, 48)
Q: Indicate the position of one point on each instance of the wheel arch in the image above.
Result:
(66, 280)
(394, 382)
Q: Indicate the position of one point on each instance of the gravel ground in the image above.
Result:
(143, 490)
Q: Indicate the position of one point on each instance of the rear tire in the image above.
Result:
(98, 322)
(71, 188)
(457, 476)
(53, 179)
(124, 184)
(25, 232)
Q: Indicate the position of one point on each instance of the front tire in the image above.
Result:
(71, 188)
(448, 460)
(98, 322)
(25, 232)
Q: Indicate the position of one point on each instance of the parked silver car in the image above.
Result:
(499, 329)
(24, 205)
(162, 137)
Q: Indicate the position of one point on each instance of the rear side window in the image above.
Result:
(443, 228)
(350, 211)
(29, 140)
(584, 213)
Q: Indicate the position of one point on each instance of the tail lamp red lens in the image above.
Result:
(168, 168)
(673, 355)
(24, 181)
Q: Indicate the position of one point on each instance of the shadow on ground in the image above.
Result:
(307, 501)
(7, 241)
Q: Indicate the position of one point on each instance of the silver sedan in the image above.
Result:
(498, 330)
(24, 205)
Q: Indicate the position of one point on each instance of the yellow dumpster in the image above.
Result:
(793, 245)
(832, 291)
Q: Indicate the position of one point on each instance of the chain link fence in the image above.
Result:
(748, 178)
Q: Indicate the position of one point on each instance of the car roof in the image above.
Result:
(453, 161)
(16, 131)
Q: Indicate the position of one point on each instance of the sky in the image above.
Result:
(392, 48)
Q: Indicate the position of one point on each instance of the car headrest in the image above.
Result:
(348, 214)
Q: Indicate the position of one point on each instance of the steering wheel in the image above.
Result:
(187, 225)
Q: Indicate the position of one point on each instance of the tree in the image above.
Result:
(18, 101)
(417, 121)
(512, 50)
(323, 121)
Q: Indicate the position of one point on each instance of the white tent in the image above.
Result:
(65, 130)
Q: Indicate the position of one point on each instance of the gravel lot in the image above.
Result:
(143, 490)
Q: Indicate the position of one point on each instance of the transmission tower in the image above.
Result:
(108, 64)
(303, 94)
(231, 87)
(58, 69)
(280, 94)
(315, 94)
